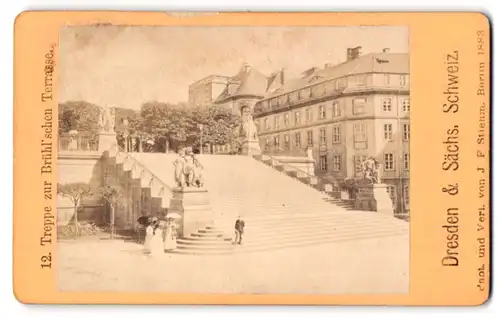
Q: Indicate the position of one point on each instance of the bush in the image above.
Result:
(85, 228)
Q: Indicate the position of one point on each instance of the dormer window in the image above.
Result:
(315, 78)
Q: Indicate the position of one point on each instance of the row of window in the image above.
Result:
(389, 135)
(360, 136)
(323, 88)
(389, 163)
(358, 108)
(391, 189)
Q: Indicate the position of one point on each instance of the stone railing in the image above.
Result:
(284, 151)
(159, 196)
(78, 143)
(299, 163)
(304, 167)
(138, 168)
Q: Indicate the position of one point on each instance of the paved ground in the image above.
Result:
(362, 266)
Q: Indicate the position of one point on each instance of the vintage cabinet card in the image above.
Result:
(252, 158)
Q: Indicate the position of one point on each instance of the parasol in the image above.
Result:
(173, 215)
(143, 220)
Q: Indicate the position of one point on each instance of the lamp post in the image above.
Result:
(126, 135)
(200, 126)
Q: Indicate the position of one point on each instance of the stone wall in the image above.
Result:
(82, 167)
(136, 201)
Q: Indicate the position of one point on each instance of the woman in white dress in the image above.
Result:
(157, 240)
(170, 241)
(149, 238)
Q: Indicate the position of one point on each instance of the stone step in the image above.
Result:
(317, 225)
(282, 230)
(317, 240)
(330, 229)
(271, 231)
(210, 234)
(212, 243)
(272, 246)
(211, 230)
(276, 220)
(347, 216)
(206, 238)
(212, 227)
(202, 252)
(250, 213)
(279, 205)
(227, 246)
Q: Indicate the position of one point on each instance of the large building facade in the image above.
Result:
(204, 92)
(345, 113)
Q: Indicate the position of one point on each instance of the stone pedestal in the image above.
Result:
(250, 148)
(193, 205)
(310, 161)
(375, 198)
(106, 141)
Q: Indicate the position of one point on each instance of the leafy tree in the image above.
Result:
(175, 125)
(84, 117)
(80, 116)
(169, 123)
(75, 192)
(112, 196)
(219, 126)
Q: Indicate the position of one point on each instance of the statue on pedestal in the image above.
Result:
(248, 133)
(107, 134)
(247, 130)
(107, 119)
(188, 170)
(371, 171)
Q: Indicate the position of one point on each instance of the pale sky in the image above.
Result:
(129, 65)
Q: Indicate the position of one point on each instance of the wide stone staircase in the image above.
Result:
(306, 178)
(278, 211)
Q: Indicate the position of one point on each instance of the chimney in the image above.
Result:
(246, 67)
(386, 50)
(353, 53)
(328, 65)
(282, 74)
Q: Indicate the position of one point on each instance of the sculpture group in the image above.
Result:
(371, 170)
(188, 171)
(107, 119)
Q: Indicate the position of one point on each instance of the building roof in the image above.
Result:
(396, 63)
(275, 81)
(250, 81)
(209, 78)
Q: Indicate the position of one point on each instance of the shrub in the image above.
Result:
(85, 228)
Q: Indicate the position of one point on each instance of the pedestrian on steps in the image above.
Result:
(239, 227)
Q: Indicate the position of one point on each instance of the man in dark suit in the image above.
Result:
(239, 227)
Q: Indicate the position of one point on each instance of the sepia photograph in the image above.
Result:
(233, 159)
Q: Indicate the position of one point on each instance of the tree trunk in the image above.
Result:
(76, 220)
(166, 145)
(112, 227)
